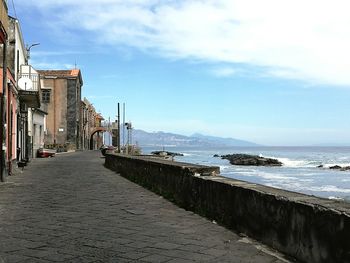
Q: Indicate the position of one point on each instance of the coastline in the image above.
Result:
(299, 172)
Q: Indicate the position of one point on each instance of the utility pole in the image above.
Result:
(118, 136)
(123, 124)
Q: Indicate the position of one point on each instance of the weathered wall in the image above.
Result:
(11, 118)
(72, 110)
(308, 228)
(38, 131)
(56, 122)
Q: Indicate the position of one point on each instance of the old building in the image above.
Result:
(30, 114)
(92, 130)
(61, 93)
(3, 80)
(9, 122)
(16, 56)
(20, 99)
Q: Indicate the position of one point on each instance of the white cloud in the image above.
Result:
(51, 65)
(39, 54)
(224, 71)
(307, 40)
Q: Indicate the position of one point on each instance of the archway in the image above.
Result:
(99, 129)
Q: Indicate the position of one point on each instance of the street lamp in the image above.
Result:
(28, 51)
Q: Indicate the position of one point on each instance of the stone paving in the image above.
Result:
(71, 209)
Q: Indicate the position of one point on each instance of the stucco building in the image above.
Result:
(61, 93)
(30, 112)
(3, 79)
(92, 130)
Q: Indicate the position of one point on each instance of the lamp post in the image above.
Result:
(28, 51)
(28, 147)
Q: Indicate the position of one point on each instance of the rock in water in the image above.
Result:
(246, 159)
(335, 167)
(166, 153)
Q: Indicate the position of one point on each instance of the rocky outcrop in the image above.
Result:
(338, 167)
(246, 159)
(335, 167)
(166, 153)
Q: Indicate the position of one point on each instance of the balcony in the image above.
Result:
(29, 86)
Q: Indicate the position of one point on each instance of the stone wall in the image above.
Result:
(72, 110)
(56, 123)
(307, 228)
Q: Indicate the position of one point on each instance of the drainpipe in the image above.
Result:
(2, 116)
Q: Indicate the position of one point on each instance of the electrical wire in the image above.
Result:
(14, 9)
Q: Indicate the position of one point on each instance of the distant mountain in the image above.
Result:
(144, 138)
(224, 141)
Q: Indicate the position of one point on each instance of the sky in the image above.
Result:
(272, 72)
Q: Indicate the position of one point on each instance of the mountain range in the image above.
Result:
(160, 138)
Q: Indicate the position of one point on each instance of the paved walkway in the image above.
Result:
(72, 209)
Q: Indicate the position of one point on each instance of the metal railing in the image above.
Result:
(35, 82)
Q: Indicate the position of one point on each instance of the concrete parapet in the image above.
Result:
(307, 228)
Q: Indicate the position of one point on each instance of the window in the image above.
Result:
(45, 95)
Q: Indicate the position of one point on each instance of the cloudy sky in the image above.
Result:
(273, 72)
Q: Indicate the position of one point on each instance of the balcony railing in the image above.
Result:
(29, 86)
(34, 83)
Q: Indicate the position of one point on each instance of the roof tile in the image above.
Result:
(60, 73)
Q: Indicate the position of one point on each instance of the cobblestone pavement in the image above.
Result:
(72, 209)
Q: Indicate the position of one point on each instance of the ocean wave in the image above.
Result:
(224, 167)
(335, 198)
(329, 188)
(187, 154)
(302, 188)
(324, 188)
(271, 176)
(287, 162)
(345, 180)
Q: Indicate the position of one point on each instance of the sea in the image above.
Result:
(299, 172)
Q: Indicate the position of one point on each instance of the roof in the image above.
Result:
(60, 73)
(71, 73)
(99, 116)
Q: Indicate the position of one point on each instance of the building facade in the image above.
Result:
(61, 94)
(30, 114)
(92, 130)
(16, 56)
(21, 94)
(3, 80)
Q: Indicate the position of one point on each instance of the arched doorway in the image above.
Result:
(99, 129)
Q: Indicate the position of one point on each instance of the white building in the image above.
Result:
(30, 115)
